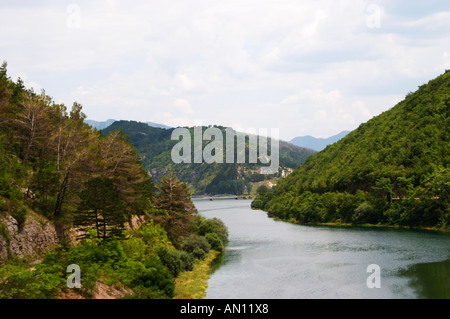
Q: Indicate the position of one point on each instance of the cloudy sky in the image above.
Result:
(304, 67)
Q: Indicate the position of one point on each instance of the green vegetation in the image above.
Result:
(392, 170)
(100, 209)
(54, 163)
(193, 284)
(55, 166)
(136, 266)
(144, 261)
(155, 146)
(215, 232)
(198, 246)
(174, 195)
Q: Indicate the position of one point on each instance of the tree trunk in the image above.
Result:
(61, 195)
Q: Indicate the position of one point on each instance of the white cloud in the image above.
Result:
(183, 106)
(184, 82)
(176, 121)
(314, 102)
(309, 67)
(361, 109)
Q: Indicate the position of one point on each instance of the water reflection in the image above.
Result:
(266, 258)
(429, 280)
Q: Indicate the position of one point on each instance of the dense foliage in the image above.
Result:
(145, 262)
(50, 160)
(391, 170)
(55, 165)
(155, 145)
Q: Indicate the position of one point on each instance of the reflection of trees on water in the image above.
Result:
(430, 280)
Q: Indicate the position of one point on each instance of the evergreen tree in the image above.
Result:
(100, 209)
(174, 196)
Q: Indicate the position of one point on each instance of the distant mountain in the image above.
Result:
(315, 143)
(104, 124)
(99, 125)
(155, 145)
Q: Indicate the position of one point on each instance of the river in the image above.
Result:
(269, 259)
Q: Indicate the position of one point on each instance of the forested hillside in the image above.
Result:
(48, 154)
(391, 170)
(111, 220)
(154, 146)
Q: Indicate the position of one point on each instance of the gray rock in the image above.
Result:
(34, 238)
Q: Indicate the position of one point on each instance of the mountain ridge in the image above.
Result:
(317, 143)
(154, 146)
(100, 125)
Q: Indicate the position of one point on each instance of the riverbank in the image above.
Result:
(193, 284)
(349, 225)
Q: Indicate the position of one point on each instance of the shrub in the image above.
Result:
(18, 212)
(154, 281)
(187, 260)
(198, 246)
(392, 215)
(5, 185)
(215, 226)
(4, 232)
(135, 248)
(215, 242)
(153, 235)
(3, 206)
(364, 213)
(93, 251)
(18, 282)
(171, 259)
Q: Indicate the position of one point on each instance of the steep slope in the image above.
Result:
(316, 143)
(391, 170)
(155, 145)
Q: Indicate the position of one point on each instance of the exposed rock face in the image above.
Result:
(135, 222)
(34, 238)
(101, 291)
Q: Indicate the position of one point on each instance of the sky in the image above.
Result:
(310, 67)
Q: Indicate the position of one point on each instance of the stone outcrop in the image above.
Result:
(101, 291)
(37, 235)
(33, 239)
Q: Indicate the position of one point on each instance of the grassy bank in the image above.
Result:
(193, 284)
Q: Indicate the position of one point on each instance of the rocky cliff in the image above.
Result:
(32, 239)
(36, 236)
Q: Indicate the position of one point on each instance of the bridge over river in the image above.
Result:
(220, 197)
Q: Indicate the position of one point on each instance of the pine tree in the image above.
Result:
(100, 209)
(174, 196)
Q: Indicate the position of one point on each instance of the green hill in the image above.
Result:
(391, 170)
(155, 145)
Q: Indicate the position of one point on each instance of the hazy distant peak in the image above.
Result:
(317, 143)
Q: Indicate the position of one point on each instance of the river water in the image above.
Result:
(269, 259)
